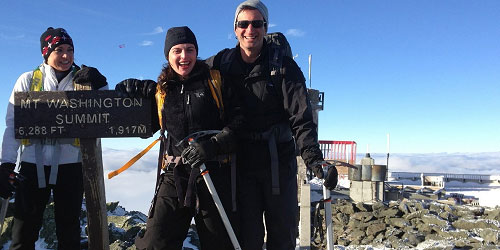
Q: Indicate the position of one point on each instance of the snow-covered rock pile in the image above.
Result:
(409, 224)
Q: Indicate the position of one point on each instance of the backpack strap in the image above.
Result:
(278, 48)
(37, 80)
(215, 85)
(226, 60)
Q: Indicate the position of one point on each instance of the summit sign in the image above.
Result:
(80, 114)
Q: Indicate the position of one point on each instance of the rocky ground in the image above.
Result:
(395, 225)
(414, 224)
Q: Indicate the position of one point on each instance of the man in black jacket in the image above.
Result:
(276, 114)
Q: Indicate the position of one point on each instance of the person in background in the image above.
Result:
(278, 118)
(47, 165)
(186, 105)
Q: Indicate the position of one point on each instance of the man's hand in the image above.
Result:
(90, 76)
(331, 178)
(199, 152)
(136, 88)
(317, 168)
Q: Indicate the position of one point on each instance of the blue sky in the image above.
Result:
(427, 72)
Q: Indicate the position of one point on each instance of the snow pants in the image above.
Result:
(30, 203)
(255, 198)
(169, 224)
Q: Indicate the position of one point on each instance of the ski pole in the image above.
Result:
(220, 208)
(211, 188)
(3, 212)
(328, 218)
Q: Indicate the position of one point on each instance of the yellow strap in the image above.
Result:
(160, 99)
(37, 83)
(215, 87)
(132, 161)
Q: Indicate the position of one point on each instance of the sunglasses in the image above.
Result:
(255, 23)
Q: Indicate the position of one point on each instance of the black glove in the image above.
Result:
(226, 141)
(136, 88)
(331, 178)
(90, 76)
(200, 152)
(7, 180)
(317, 168)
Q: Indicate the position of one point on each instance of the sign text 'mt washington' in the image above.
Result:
(82, 114)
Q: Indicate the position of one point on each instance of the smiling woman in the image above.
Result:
(47, 167)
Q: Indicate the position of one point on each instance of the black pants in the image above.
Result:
(255, 198)
(30, 203)
(169, 225)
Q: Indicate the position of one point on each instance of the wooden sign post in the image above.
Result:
(87, 115)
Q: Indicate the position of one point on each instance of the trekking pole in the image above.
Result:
(220, 208)
(3, 212)
(328, 217)
(211, 188)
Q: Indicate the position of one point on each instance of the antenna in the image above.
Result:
(310, 62)
(388, 150)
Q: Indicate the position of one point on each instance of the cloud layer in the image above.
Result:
(134, 188)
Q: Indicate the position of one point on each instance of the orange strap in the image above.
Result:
(132, 161)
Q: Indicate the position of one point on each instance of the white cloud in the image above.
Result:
(134, 188)
(230, 36)
(271, 25)
(146, 43)
(295, 32)
(17, 37)
(157, 30)
(456, 163)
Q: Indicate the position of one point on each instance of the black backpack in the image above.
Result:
(278, 47)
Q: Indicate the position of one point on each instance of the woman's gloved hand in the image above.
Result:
(136, 88)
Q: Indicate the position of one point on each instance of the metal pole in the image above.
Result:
(387, 162)
(218, 204)
(3, 212)
(310, 63)
(328, 218)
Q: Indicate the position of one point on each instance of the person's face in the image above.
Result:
(250, 38)
(182, 58)
(61, 58)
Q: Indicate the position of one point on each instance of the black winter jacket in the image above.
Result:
(265, 105)
(189, 107)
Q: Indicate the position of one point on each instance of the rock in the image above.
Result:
(390, 212)
(403, 207)
(356, 235)
(416, 214)
(434, 220)
(493, 214)
(393, 232)
(375, 228)
(397, 222)
(363, 216)
(413, 238)
(378, 206)
(490, 236)
(475, 223)
(435, 208)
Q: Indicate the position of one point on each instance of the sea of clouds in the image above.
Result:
(134, 188)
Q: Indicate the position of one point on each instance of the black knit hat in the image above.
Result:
(179, 35)
(52, 38)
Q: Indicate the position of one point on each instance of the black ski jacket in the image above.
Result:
(265, 105)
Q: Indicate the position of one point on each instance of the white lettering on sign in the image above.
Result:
(26, 104)
(62, 119)
(84, 103)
